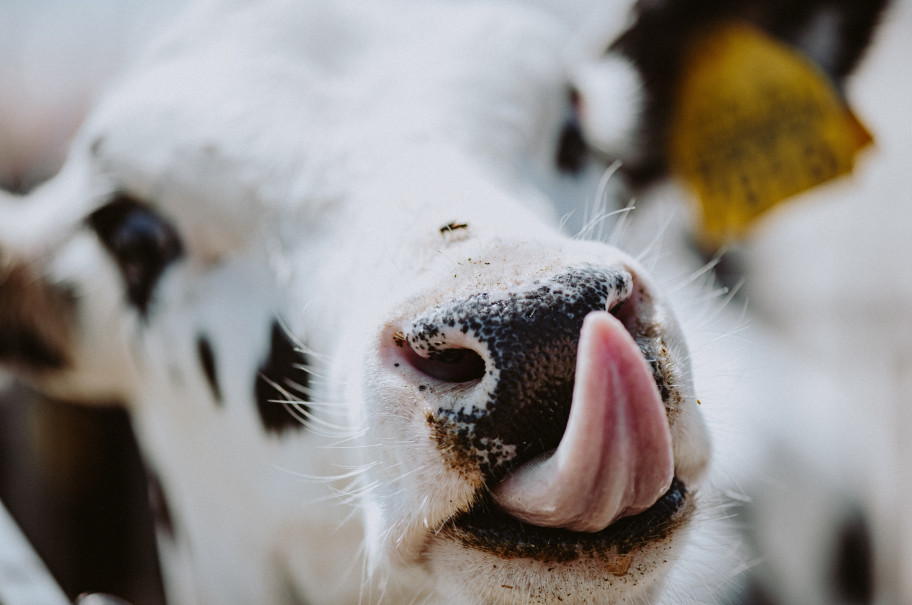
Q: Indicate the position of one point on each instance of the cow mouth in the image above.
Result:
(599, 483)
(489, 528)
(504, 523)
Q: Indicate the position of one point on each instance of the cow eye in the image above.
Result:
(141, 241)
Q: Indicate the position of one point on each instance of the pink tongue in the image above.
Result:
(615, 457)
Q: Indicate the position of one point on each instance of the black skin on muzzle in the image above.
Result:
(531, 339)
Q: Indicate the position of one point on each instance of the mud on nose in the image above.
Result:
(511, 357)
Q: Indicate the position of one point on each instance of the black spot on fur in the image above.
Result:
(853, 568)
(572, 151)
(142, 243)
(283, 376)
(158, 503)
(22, 346)
(207, 361)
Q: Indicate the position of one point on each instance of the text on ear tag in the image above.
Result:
(754, 123)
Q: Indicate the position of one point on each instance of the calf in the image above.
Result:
(314, 249)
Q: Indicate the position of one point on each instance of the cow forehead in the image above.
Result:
(279, 106)
(378, 69)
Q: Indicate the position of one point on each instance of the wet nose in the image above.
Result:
(507, 362)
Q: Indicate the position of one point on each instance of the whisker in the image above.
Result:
(620, 227)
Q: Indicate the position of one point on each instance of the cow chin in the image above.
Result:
(593, 576)
(512, 561)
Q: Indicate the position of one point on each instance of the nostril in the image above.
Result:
(449, 365)
(508, 360)
(631, 308)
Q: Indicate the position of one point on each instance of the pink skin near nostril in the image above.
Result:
(615, 458)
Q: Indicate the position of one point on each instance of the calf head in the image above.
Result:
(355, 209)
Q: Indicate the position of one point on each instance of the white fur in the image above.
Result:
(308, 156)
(612, 95)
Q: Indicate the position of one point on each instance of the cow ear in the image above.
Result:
(627, 94)
(742, 101)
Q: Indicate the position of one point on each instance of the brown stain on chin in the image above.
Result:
(617, 564)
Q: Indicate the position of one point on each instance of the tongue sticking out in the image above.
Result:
(615, 458)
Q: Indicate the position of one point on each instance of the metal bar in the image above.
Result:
(24, 580)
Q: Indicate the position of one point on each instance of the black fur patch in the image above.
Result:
(21, 346)
(572, 150)
(853, 565)
(207, 361)
(158, 503)
(282, 376)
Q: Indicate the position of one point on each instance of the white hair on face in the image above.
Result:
(611, 98)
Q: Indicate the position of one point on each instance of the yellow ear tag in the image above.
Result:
(755, 122)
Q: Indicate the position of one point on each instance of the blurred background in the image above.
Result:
(830, 276)
(71, 476)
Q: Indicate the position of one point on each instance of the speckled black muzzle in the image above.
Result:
(525, 343)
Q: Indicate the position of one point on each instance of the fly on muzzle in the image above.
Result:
(548, 398)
